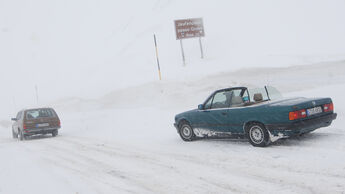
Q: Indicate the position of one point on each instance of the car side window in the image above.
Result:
(208, 103)
(236, 99)
(221, 100)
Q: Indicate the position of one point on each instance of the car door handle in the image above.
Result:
(224, 113)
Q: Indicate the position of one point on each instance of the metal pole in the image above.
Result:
(14, 104)
(159, 68)
(183, 58)
(36, 93)
(201, 50)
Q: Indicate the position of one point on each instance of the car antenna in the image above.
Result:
(267, 93)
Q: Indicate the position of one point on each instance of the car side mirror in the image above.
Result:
(14, 119)
(201, 107)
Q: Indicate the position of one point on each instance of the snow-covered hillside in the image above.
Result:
(187, 93)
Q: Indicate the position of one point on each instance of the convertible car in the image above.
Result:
(261, 115)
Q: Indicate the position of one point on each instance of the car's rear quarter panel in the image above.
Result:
(258, 113)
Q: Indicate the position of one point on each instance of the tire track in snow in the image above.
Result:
(297, 175)
(169, 168)
(150, 158)
(88, 167)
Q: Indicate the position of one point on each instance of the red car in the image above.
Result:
(35, 121)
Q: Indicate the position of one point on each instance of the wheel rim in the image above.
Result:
(256, 134)
(186, 132)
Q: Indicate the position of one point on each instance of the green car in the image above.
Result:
(261, 115)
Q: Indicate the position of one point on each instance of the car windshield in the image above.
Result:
(39, 113)
(264, 94)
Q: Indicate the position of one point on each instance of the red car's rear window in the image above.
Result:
(39, 113)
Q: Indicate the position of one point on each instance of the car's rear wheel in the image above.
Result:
(186, 132)
(258, 135)
(55, 133)
(21, 136)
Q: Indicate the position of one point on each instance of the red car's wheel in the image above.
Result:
(14, 135)
(55, 133)
(21, 136)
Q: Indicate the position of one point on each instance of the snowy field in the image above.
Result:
(94, 62)
(114, 145)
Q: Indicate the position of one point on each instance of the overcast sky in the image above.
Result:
(86, 48)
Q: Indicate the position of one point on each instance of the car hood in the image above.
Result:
(185, 113)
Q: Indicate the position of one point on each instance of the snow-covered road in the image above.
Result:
(70, 164)
(137, 150)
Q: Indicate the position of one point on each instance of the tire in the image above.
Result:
(14, 135)
(21, 136)
(303, 134)
(55, 133)
(186, 131)
(258, 135)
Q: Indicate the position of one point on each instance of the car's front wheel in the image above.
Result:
(186, 132)
(14, 135)
(258, 135)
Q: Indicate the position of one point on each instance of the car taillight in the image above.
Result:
(297, 114)
(328, 107)
(59, 124)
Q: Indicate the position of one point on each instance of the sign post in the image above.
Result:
(183, 58)
(189, 28)
(159, 68)
(201, 50)
(14, 104)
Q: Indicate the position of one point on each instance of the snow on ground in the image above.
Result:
(125, 142)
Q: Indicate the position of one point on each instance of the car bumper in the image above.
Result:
(176, 126)
(300, 127)
(40, 130)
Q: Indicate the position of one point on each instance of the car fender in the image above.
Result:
(181, 120)
(249, 121)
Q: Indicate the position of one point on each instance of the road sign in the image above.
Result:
(189, 28)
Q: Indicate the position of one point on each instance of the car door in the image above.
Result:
(16, 123)
(237, 111)
(215, 114)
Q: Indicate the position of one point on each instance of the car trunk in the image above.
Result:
(46, 122)
(309, 104)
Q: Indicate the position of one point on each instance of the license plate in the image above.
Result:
(42, 125)
(313, 111)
